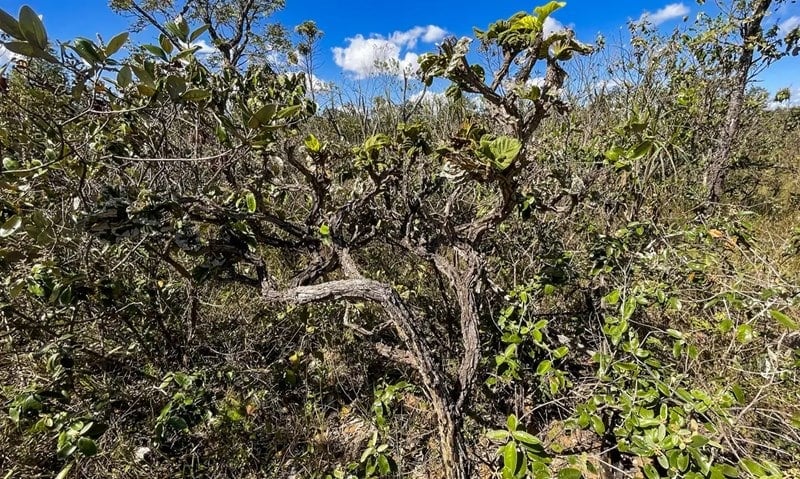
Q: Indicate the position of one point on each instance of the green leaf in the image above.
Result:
(650, 472)
(526, 438)
(186, 53)
(176, 87)
(598, 425)
(264, 115)
(156, 51)
(21, 48)
(510, 458)
(367, 453)
(744, 333)
(502, 151)
(196, 34)
(546, 10)
(628, 308)
(196, 94)
(544, 367)
(146, 90)
(383, 465)
(785, 320)
(11, 226)
(289, 111)
(66, 451)
(9, 25)
(642, 150)
(727, 470)
(183, 28)
(512, 422)
(250, 198)
(144, 76)
(32, 28)
(87, 446)
(699, 441)
(612, 298)
(87, 50)
(65, 471)
(325, 230)
(570, 473)
(124, 77)
(674, 333)
(497, 435)
(312, 144)
(165, 43)
(753, 467)
(116, 43)
(178, 423)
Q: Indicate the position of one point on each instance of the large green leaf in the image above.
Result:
(196, 95)
(9, 25)
(196, 34)
(32, 27)
(87, 446)
(546, 10)
(124, 77)
(25, 49)
(263, 115)
(156, 51)
(510, 457)
(176, 86)
(165, 43)
(116, 43)
(145, 76)
(502, 151)
(87, 50)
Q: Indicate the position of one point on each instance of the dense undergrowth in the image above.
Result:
(206, 275)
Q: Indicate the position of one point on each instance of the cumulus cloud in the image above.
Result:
(205, 48)
(6, 56)
(364, 57)
(318, 84)
(792, 102)
(789, 24)
(551, 25)
(669, 12)
(428, 97)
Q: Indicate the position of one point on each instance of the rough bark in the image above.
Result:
(454, 462)
(719, 162)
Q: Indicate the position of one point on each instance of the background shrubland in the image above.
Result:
(579, 262)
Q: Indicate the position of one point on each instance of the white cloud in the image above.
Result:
(535, 81)
(204, 47)
(669, 12)
(793, 101)
(6, 56)
(433, 34)
(607, 86)
(551, 26)
(789, 24)
(377, 54)
(429, 97)
(318, 84)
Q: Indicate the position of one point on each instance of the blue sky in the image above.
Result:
(359, 31)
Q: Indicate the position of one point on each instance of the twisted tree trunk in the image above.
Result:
(447, 407)
(719, 164)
